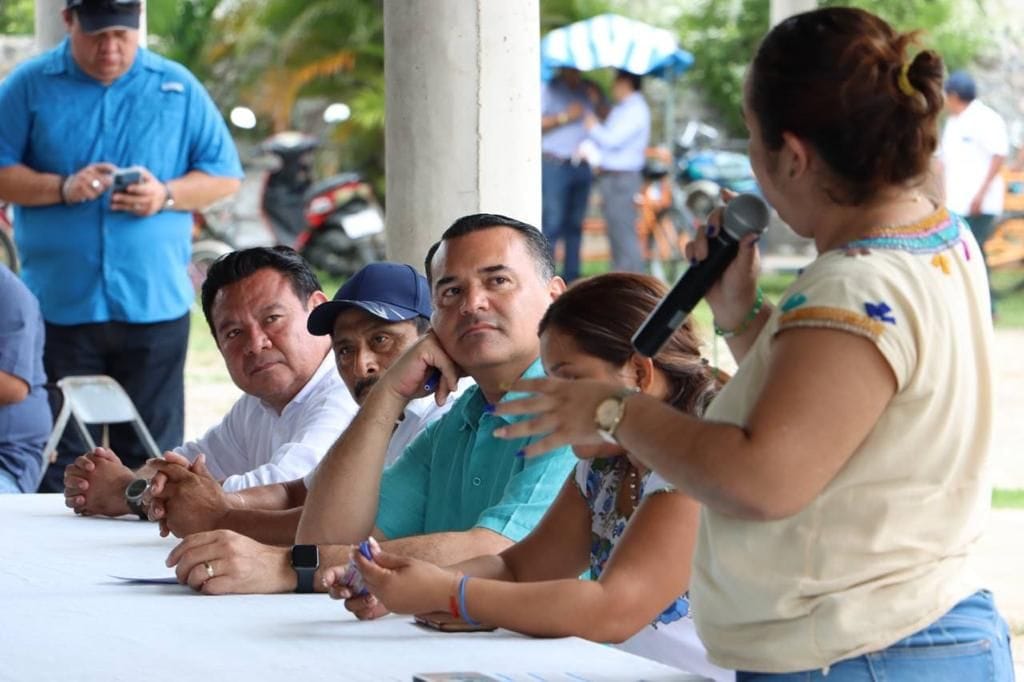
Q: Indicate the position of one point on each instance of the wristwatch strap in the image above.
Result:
(168, 200)
(305, 570)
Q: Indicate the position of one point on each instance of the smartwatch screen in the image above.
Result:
(136, 488)
(305, 556)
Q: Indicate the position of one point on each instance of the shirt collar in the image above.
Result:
(474, 403)
(62, 62)
(326, 366)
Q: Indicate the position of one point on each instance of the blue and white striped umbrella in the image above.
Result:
(610, 40)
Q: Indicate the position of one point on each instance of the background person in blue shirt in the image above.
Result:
(621, 140)
(25, 418)
(109, 268)
(565, 176)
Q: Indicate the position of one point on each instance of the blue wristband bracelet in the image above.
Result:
(462, 601)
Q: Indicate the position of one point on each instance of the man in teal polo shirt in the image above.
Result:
(108, 262)
(456, 492)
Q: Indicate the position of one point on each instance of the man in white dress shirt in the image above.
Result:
(974, 146)
(294, 406)
(373, 319)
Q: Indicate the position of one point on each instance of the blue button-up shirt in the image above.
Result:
(456, 475)
(84, 262)
(624, 135)
(555, 97)
(25, 425)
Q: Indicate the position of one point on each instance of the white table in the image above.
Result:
(62, 617)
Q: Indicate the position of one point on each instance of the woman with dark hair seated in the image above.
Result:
(636, 538)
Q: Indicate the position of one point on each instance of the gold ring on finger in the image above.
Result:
(209, 569)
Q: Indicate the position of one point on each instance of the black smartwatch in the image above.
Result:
(305, 561)
(133, 497)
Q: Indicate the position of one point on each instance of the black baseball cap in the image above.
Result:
(391, 291)
(101, 15)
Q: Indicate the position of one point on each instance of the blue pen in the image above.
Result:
(364, 549)
(433, 381)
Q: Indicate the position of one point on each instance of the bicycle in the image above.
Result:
(1004, 250)
(664, 226)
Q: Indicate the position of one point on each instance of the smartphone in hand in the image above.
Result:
(446, 622)
(123, 177)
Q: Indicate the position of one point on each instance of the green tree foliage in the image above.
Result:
(266, 53)
(557, 13)
(176, 30)
(16, 17)
(723, 36)
(949, 27)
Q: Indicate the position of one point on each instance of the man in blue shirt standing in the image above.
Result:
(621, 141)
(565, 176)
(109, 264)
(25, 418)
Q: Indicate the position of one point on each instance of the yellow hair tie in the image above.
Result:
(904, 82)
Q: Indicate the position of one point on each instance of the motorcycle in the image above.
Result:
(287, 183)
(8, 253)
(212, 237)
(345, 226)
(702, 172)
(336, 223)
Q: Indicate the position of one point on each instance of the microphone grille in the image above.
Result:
(745, 214)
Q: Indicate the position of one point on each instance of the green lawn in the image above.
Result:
(1008, 499)
(1009, 303)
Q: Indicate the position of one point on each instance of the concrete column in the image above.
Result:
(49, 24)
(50, 28)
(462, 130)
(783, 9)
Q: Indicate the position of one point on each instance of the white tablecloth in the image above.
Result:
(62, 617)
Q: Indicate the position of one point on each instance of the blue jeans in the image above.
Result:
(971, 643)
(982, 226)
(565, 190)
(8, 483)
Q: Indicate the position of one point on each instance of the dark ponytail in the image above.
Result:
(841, 79)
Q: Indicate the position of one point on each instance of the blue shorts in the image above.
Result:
(971, 643)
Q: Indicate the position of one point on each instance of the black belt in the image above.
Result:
(561, 159)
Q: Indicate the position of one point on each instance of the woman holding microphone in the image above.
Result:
(843, 469)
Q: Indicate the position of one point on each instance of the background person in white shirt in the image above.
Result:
(621, 140)
(974, 146)
(373, 319)
(294, 406)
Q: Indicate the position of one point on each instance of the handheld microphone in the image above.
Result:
(744, 215)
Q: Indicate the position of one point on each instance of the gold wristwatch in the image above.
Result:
(609, 414)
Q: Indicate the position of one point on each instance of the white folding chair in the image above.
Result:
(91, 400)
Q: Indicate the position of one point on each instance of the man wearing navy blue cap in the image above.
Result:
(108, 260)
(374, 317)
(457, 491)
(973, 148)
